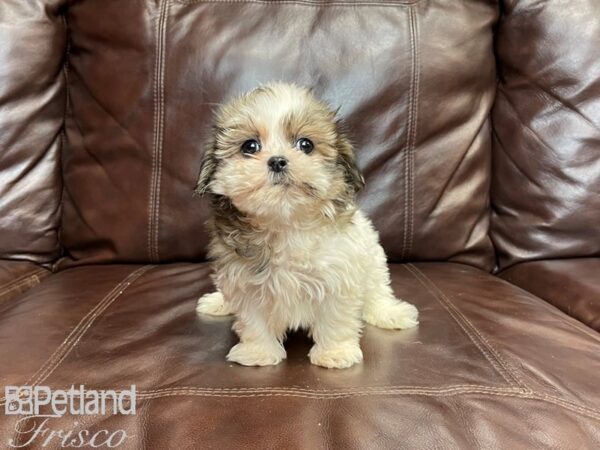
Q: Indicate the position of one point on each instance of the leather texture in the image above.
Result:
(492, 364)
(417, 104)
(572, 285)
(32, 105)
(18, 276)
(546, 178)
(476, 373)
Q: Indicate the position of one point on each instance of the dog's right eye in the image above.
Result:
(250, 147)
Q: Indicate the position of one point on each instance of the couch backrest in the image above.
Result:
(32, 106)
(415, 81)
(546, 183)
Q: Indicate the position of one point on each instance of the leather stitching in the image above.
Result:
(30, 279)
(159, 112)
(584, 411)
(81, 328)
(164, 16)
(411, 124)
(321, 395)
(496, 354)
(362, 390)
(413, 131)
(349, 390)
(153, 168)
(397, 3)
(472, 333)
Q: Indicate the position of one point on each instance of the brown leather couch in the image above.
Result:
(477, 126)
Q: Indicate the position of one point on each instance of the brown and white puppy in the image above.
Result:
(290, 248)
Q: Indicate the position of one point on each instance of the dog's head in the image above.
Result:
(279, 153)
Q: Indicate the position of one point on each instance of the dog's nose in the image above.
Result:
(277, 163)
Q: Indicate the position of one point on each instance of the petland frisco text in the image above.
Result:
(40, 405)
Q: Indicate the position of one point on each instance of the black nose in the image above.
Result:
(277, 163)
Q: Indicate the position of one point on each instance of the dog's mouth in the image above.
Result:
(281, 179)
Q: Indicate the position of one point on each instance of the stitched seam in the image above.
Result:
(498, 392)
(493, 352)
(405, 164)
(569, 405)
(408, 391)
(28, 282)
(413, 131)
(405, 151)
(158, 89)
(163, 32)
(73, 339)
(363, 390)
(82, 327)
(348, 390)
(153, 168)
(329, 392)
(26, 279)
(468, 328)
(306, 2)
(497, 355)
(585, 411)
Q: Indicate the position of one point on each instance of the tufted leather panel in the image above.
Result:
(546, 177)
(415, 80)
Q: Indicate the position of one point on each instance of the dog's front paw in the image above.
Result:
(398, 315)
(213, 304)
(252, 354)
(339, 357)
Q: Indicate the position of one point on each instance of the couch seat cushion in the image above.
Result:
(490, 365)
(572, 285)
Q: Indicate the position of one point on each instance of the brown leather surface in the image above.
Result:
(572, 285)
(546, 178)
(490, 366)
(17, 277)
(32, 104)
(414, 79)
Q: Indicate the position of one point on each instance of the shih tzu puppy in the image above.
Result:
(290, 248)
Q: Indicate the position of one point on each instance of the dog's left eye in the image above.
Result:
(305, 145)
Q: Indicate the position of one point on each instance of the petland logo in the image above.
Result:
(40, 404)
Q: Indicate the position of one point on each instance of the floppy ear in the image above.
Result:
(207, 169)
(347, 160)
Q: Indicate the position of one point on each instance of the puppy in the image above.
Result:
(289, 246)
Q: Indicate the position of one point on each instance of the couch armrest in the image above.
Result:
(33, 43)
(572, 285)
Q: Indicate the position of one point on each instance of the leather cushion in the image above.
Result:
(546, 177)
(415, 81)
(490, 365)
(32, 106)
(572, 285)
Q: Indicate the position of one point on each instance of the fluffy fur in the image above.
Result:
(290, 249)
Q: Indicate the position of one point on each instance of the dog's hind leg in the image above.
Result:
(381, 308)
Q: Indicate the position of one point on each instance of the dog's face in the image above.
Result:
(279, 153)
